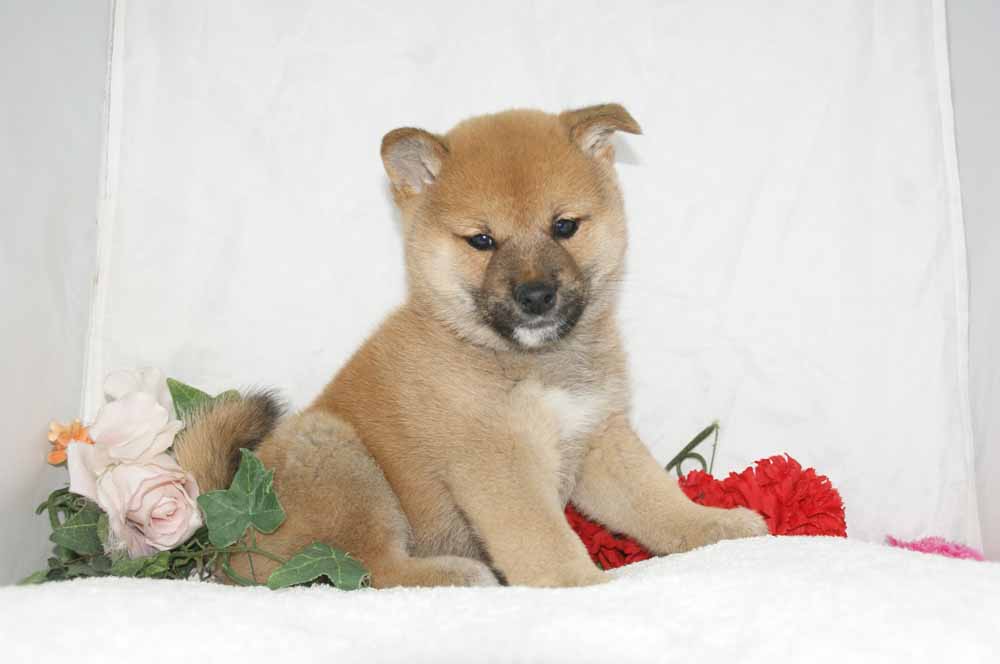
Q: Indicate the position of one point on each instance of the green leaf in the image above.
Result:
(181, 567)
(158, 565)
(79, 532)
(78, 566)
(41, 576)
(187, 399)
(82, 567)
(63, 554)
(318, 560)
(249, 501)
(226, 515)
(101, 564)
(155, 565)
(228, 395)
(55, 498)
(126, 566)
(57, 574)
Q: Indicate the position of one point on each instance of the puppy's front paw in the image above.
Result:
(711, 524)
(583, 577)
(468, 572)
(568, 576)
(744, 522)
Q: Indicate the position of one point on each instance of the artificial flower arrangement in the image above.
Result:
(130, 510)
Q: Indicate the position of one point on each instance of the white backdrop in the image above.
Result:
(797, 259)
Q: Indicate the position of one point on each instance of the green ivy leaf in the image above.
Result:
(79, 532)
(101, 564)
(56, 498)
(81, 568)
(159, 564)
(63, 554)
(226, 515)
(41, 576)
(228, 395)
(249, 501)
(318, 560)
(57, 574)
(181, 566)
(126, 566)
(154, 565)
(187, 399)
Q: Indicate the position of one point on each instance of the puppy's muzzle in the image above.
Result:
(535, 298)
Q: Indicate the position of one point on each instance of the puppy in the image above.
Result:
(446, 449)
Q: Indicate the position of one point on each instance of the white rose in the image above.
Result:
(136, 426)
(150, 505)
(133, 429)
(149, 381)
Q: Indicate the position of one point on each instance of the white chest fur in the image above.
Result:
(576, 413)
(554, 423)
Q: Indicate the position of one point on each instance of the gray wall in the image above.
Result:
(53, 56)
(974, 36)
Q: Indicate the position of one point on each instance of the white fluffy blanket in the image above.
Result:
(766, 600)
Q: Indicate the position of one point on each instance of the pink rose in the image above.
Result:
(150, 505)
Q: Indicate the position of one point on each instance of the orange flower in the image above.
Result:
(61, 435)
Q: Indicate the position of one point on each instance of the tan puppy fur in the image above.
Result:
(446, 449)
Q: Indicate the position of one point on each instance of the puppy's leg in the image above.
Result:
(506, 484)
(522, 527)
(403, 570)
(623, 487)
(334, 492)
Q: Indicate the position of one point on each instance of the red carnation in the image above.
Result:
(605, 548)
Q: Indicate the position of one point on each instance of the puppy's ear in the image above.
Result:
(591, 128)
(412, 159)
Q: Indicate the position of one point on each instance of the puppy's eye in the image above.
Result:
(565, 228)
(481, 242)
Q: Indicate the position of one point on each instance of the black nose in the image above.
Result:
(535, 297)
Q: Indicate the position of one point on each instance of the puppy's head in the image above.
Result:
(514, 223)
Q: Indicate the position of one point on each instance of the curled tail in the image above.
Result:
(209, 445)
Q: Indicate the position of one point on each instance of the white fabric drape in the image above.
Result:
(797, 262)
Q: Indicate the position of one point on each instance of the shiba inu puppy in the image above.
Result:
(446, 449)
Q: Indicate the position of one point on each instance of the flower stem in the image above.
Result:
(209, 552)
